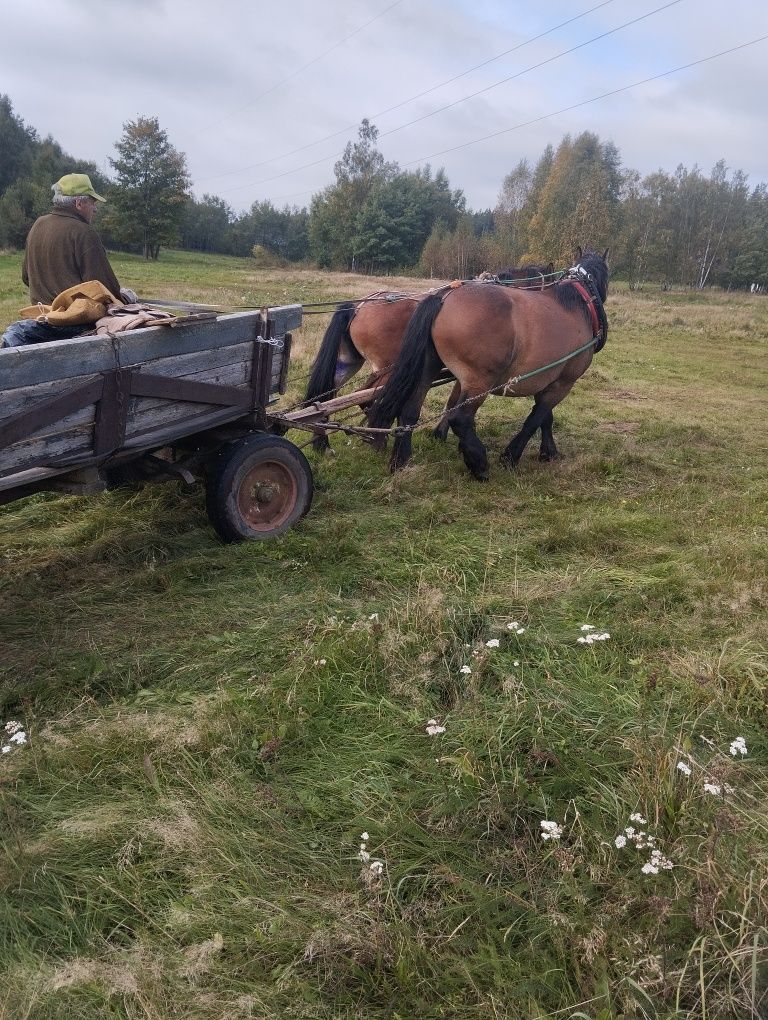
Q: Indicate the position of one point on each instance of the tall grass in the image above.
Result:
(212, 729)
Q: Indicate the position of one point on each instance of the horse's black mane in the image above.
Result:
(568, 297)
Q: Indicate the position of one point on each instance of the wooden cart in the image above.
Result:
(188, 400)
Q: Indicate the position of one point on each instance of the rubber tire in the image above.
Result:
(274, 463)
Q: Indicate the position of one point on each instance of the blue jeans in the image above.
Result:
(28, 331)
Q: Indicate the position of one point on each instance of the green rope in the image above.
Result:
(552, 364)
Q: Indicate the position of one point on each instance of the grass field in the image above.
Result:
(212, 729)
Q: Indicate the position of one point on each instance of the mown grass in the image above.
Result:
(212, 728)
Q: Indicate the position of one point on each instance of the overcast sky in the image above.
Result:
(240, 86)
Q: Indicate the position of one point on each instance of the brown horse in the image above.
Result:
(372, 330)
(516, 343)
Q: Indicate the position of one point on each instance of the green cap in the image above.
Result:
(76, 184)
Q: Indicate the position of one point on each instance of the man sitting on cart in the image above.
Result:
(64, 250)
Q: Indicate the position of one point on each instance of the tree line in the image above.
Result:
(685, 227)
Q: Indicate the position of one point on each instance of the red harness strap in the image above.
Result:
(590, 303)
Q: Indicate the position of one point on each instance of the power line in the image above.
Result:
(298, 70)
(594, 99)
(533, 67)
(412, 99)
(584, 102)
(549, 60)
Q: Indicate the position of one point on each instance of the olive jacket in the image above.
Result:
(63, 250)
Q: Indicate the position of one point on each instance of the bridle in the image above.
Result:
(585, 285)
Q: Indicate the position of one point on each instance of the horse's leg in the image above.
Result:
(548, 449)
(462, 421)
(441, 432)
(540, 417)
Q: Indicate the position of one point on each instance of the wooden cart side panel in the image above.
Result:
(222, 356)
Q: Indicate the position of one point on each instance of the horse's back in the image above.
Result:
(378, 327)
(486, 333)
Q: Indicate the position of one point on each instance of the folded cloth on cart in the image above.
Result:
(118, 318)
(77, 306)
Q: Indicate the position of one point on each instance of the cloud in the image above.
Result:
(214, 76)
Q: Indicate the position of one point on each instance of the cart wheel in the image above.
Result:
(258, 487)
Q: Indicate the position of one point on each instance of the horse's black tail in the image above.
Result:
(322, 381)
(409, 366)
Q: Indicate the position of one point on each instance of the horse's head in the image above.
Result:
(594, 265)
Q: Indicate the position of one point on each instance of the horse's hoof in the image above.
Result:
(507, 462)
(440, 434)
(547, 458)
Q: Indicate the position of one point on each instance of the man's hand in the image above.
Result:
(128, 296)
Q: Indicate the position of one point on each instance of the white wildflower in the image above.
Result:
(433, 728)
(5, 748)
(13, 727)
(592, 636)
(465, 669)
(364, 836)
(320, 662)
(658, 860)
(712, 788)
(377, 867)
(738, 746)
(516, 662)
(649, 869)
(19, 738)
(493, 643)
(630, 832)
(636, 817)
(374, 617)
(586, 626)
(620, 841)
(364, 855)
(685, 769)
(515, 626)
(551, 830)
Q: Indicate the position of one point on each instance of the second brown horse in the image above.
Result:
(372, 329)
(502, 341)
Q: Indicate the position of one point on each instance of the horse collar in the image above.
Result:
(589, 298)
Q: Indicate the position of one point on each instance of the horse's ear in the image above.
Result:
(605, 254)
(578, 253)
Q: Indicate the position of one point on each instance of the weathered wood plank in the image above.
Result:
(28, 477)
(156, 438)
(15, 400)
(75, 444)
(62, 359)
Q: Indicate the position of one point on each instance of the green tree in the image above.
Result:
(579, 201)
(510, 215)
(21, 204)
(334, 212)
(17, 145)
(397, 218)
(206, 224)
(151, 188)
(750, 265)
